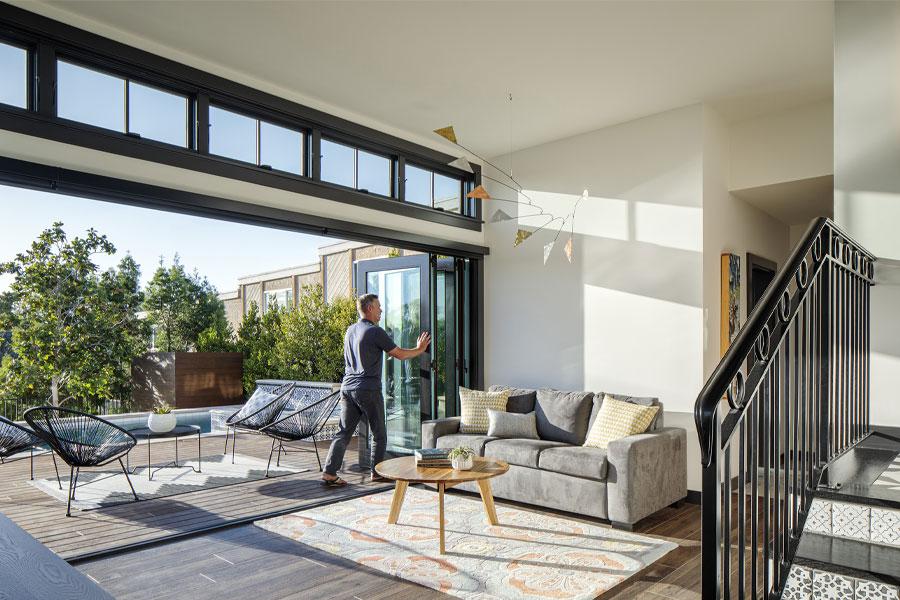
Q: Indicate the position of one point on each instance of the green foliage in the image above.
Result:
(305, 343)
(162, 408)
(73, 330)
(311, 347)
(219, 337)
(461, 452)
(181, 306)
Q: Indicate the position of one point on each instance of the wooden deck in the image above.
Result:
(94, 532)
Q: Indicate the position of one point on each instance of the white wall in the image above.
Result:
(625, 316)
(729, 225)
(788, 145)
(867, 172)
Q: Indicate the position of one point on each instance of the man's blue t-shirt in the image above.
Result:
(364, 346)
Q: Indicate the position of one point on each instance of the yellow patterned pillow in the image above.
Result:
(618, 419)
(474, 406)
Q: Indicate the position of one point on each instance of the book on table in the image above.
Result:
(432, 457)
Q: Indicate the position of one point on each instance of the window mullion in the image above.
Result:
(315, 152)
(46, 80)
(202, 123)
(400, 192)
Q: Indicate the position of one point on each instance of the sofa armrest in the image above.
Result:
(647, 472)
(432, 430)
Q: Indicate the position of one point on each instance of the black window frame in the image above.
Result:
(464, 188)
(30, 48)
(356, 147)
(53, 38)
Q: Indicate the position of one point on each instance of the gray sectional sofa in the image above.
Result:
(629, 480)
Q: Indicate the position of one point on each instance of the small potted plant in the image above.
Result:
(461, 458)
(162, 419)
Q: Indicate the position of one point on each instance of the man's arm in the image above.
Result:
(407, 353)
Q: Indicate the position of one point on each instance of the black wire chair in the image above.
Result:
(81, 440)
(16, 438)
(304, 423)
(260, 410)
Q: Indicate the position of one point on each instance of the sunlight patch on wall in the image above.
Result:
(667, 225)
(642, 346)
(596, 217)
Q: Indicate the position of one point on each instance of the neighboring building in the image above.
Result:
(333, 271)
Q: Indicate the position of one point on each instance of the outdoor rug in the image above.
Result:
(529, 555)
(108, 487)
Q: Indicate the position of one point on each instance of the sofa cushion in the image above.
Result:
(473, 406)
(618, 419)
(563, 416)
(579, 461)
(641, 400)
(520, 400)
(476, 442)
(511, 425)
(524, 453)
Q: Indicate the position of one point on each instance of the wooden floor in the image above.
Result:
(247, 561)
(90, 532)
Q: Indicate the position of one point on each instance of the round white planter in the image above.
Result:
(462, 464)
(162, 423)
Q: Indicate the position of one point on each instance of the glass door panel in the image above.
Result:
(402, 287)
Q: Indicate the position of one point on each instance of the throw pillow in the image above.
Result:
(618, 419)
(520, 400)
(512, 425)
(473, 408)
(563, 416)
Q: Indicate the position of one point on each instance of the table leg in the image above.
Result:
(176, 451)
(487, 498)
(199, 454)
(397, 502)
(441, 511)
(149, 470)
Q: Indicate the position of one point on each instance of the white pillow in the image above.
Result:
(512, 425)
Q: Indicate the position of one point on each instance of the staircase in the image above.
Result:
(799, 500)
(851, 541)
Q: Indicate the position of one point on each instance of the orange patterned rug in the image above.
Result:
(529, 555)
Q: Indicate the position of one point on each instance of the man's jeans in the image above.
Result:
(354, 405)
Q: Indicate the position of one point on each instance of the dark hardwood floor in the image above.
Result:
(239, 560)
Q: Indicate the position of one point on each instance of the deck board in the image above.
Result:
(107, 529)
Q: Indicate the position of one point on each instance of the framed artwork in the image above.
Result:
(731, 299)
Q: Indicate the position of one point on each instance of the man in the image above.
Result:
(364, 345)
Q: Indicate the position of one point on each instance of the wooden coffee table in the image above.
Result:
(404, 471)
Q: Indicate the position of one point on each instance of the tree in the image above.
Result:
(74, 331)
(311, 344)
(256, 338)
(182, 306)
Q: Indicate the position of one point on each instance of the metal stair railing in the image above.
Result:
(790, 395)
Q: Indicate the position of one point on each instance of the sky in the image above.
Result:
(219, 250)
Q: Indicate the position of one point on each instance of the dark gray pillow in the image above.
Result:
(563, 416)
(511, 425)
(656, 423)
(519, 401)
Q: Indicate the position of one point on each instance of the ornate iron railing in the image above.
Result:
(790, 395)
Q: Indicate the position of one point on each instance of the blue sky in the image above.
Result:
(220, 250)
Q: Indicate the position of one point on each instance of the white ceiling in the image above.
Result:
(571, 67)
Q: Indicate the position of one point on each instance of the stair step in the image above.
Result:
(868, 473)
(851, 558)
(810, 583)
(860, 522)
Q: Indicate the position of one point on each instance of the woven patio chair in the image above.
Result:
(305, 422)
(260, 410)
(81, 440)
(16, 438)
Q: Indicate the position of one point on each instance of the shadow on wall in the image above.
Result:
(625, 316)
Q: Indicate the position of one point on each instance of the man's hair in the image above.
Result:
(364, 302)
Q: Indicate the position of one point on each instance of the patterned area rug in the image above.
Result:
(108, 486)
(890, 478)
(529, 555)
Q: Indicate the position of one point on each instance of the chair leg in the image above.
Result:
(233, 443)
(270, 456)
(227, 431)
(278, 462)
(55, 468)
(71, 481)
(128, 479)
(32, 463)
(319, 460)
(75, 483)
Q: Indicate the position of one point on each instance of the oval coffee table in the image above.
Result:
(403, 470)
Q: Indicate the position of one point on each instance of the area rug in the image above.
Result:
(108, 487)
(529, 555)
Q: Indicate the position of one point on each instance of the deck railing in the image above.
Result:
(14, 408)
(790, 395)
